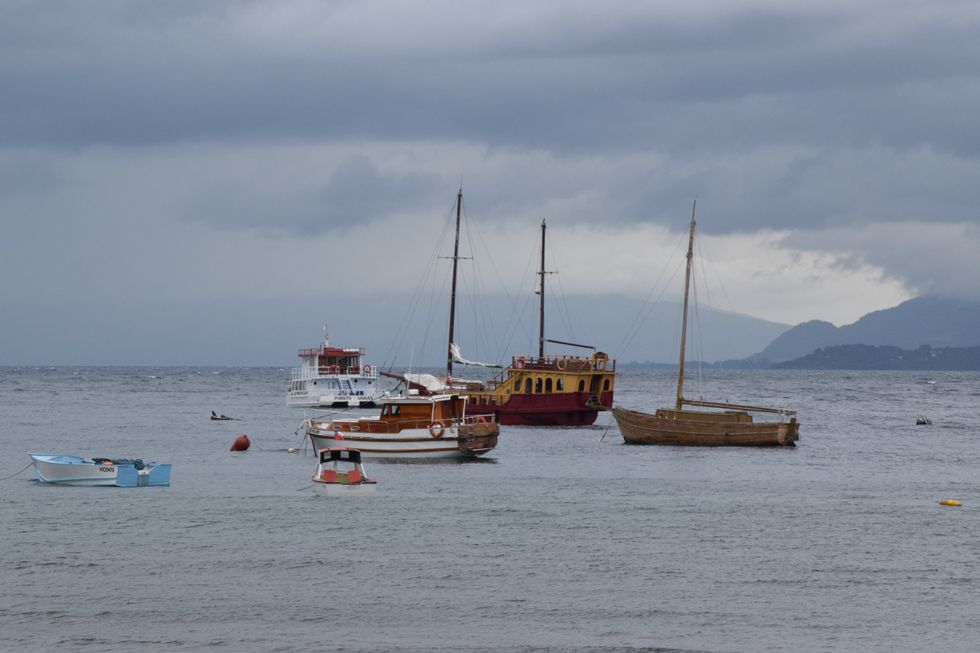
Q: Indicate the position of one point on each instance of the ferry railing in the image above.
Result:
(309, 373)
(324, 350)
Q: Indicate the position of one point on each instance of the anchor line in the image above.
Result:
(15, 474)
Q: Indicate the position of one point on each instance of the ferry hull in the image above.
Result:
(694, 429)
(331, 401)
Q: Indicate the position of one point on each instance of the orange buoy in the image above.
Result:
(241, 443)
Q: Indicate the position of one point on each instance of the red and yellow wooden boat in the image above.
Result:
(541, 390)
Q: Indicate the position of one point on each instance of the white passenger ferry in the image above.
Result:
(333, 377)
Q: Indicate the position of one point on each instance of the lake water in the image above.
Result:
(562, 539)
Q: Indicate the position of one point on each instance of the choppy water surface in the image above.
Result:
(561, 540)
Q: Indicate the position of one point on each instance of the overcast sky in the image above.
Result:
(159, 157)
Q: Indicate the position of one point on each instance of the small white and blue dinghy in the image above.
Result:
(341, 474)
(114, 472)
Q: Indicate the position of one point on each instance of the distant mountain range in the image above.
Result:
(933, 321)
(884, 357)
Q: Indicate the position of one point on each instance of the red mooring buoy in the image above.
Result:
(241, 443)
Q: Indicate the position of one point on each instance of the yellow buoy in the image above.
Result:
(291, 450)
(949, 502)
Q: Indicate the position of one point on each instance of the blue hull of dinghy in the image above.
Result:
(129, 476)
(126, 474)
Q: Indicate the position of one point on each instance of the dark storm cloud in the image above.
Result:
(354, 193)
(784, 115)
(628, 76)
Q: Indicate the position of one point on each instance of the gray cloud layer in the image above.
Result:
(851, 127)
(782, 94)
(554, 75)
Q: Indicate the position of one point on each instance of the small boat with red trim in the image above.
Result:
(413, 426)
(333, 377)
(339, 473)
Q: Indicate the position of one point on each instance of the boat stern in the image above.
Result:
(153, 474)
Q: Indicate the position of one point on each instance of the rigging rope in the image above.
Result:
(563, 313)
(518, 312)
(640, 318)
(407, 318)
(510, 299)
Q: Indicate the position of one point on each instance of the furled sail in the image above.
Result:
(458, 358)
(430, 382)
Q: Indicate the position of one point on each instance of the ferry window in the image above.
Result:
(605, 384)
(547, 385)
(527, 386)
(561, 384)
(517, 385)
(395, 409)
(537, 385)
(581, 386)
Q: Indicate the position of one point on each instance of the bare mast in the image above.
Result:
(452, 297)
(542, 273)
(687, 287)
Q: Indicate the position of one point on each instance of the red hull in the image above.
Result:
(565, 409)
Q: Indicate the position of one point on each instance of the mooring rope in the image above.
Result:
(15, 474)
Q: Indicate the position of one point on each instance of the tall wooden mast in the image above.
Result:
(687, 288)
(452, 296)
(542, 273)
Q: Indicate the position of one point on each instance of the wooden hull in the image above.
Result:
(464, 442)
(703, 429)
(556, 409)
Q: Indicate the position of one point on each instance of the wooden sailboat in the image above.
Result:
(731, 425)
(541, 390)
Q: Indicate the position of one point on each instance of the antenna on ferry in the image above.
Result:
(326, 335)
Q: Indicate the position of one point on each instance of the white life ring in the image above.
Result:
(367, 369)
(519, 363)
(436, 429)
(561, 364)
